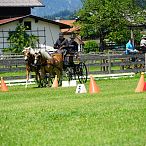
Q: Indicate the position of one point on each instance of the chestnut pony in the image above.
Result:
(50, 64)
(29, 58)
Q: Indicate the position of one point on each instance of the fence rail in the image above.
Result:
(96, 63)
(114, 63)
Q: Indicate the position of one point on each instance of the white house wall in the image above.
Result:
(4, 34)
(51, 31)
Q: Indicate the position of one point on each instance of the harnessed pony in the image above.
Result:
(51, 64)
(29, 57)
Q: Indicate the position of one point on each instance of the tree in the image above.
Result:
(20, 39)
(106, 17)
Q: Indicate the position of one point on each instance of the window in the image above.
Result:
(27, 24)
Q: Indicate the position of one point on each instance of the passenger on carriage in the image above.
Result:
(73, 48)
(143, 44)
(130, 49)
(73, 44)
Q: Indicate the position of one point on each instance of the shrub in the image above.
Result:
(91, 46)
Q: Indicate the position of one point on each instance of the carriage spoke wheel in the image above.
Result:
(68, 74)
(82, 72)
(44, 82)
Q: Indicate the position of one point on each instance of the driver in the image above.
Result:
(61, 44)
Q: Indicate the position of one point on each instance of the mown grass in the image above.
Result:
(58, 117)
(17, 73)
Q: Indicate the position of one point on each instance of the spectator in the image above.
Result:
(130, 47)
(143, 44)
(102, 46)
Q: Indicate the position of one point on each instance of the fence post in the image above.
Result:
(109, 63)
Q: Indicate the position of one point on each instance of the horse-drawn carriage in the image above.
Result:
(46, 66)
(74, 68)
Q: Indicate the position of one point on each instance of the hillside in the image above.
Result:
(55, 6)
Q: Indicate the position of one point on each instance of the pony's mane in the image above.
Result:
(31, 51)
(45, 54)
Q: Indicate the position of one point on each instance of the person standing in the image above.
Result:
(143, 44)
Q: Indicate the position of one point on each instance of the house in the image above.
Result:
(73, 30)
(46, 30)
(17, 8)
(14, 12)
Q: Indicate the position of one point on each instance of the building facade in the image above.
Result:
(14, 12)
(46, 30)
(17, 8)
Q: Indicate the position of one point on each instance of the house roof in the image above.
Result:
(72, 30)
(4, 21)
(70, 23)
(20, 3)
(62, 26)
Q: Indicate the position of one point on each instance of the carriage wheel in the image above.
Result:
(43, 82)
(82, 72)
(48, 81)
(68, 74)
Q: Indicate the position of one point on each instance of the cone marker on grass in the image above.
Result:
(93, 88)
(141, 84)
(4, 87)
(55, 82)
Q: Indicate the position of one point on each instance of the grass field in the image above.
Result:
(58, 117)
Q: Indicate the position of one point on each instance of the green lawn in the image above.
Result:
(58, 117)
(17, 73)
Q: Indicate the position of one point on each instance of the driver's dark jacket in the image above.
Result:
(59, 43)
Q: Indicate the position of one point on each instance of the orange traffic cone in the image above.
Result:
(140, 85)
(93, 88)
(55, 82)
(4, 87)
(144, 86)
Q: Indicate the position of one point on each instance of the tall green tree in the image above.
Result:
(103, 17)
